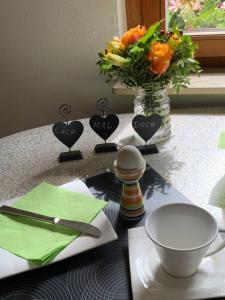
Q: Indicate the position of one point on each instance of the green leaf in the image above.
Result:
(192, 60)
(177, 89)
(136, 50)
(149, 34)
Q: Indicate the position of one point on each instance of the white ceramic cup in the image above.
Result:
(182, 234)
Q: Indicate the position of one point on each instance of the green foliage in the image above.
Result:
(210, 16)
(176, 19)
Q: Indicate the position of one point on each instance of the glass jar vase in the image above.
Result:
(150, 101)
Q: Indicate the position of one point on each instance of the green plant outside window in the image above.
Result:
(196, 14)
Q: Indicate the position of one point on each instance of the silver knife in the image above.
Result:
(76, 225)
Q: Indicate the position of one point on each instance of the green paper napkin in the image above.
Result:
(39, 241)
(221, 143)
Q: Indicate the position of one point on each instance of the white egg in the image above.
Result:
(129, 158)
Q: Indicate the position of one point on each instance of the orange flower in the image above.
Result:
(133, 35)
(160, 56)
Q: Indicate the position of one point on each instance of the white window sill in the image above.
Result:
(211, 82)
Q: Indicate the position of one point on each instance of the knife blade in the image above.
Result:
(76, 225)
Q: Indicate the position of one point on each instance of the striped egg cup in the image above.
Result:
(131, 202)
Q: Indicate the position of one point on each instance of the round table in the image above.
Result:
(190, 159)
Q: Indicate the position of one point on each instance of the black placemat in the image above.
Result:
(101, 273)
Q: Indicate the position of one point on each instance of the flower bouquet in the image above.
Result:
(149, 60)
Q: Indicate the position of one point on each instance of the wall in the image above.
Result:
(48, 52)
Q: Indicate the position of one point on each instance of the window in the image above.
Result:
(208, 30)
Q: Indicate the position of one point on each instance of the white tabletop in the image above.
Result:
(190, 159)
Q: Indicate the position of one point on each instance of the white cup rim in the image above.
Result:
(187, 249)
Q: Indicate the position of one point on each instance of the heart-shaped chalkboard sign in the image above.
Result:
(68, 134)
(104, 126)
(146, 126)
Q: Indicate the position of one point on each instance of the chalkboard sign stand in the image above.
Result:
(68, 134)
(107, 147)
(146, 126)
(71, 155)
(104, 126)
(148, 149)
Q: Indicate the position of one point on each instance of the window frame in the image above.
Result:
(146, 12)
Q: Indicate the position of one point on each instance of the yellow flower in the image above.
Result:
(117, 60)
(174, 41)
(115, 45)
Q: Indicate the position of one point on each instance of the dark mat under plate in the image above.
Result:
(101, 273)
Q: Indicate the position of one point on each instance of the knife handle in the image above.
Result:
(24, 213)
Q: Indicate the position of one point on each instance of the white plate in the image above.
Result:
(150, 281)
(11, 264)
